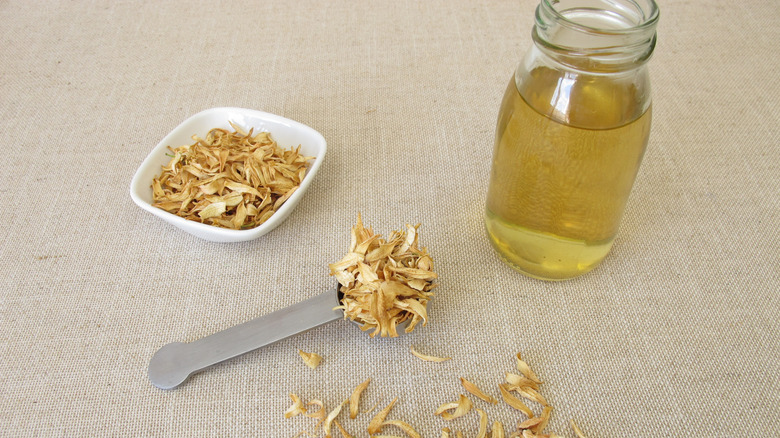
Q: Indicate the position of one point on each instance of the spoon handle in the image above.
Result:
(175, 362)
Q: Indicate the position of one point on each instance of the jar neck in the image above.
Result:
(600, 36)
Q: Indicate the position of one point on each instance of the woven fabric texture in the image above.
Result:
(676, 333)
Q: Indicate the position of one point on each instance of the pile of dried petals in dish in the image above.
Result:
(233, 180)
(385, 282)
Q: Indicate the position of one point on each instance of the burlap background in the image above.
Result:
(676, 334)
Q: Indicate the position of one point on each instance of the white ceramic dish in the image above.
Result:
(286, 132)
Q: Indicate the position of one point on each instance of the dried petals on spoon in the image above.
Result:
(385, 282)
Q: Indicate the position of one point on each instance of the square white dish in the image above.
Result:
(287, 133)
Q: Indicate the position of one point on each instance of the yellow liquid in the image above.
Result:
(566, 154)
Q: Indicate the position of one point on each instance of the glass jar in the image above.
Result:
(571, 133)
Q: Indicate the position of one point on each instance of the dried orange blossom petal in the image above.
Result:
(318, 414)
(518, 381)
(458, 408)
(408, 429)
(529, 423)
(331, 416)
(483, 421)
(497, 430)
(341, 429)
(539, 428)
(312, 360)
(426, 357)
(354, 399)
(577, 430)
(526, 370)
(375, 426)
(514, 402)
(472, 388)
(297, 407)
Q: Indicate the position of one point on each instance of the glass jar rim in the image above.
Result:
(649, 19)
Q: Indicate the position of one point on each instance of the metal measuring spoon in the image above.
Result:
(174, 363)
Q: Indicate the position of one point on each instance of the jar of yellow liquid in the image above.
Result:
(571, 133)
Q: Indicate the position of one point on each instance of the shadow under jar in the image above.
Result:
(572, 129)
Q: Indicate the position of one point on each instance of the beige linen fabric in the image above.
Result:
(675, 334)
